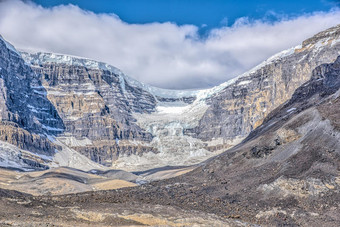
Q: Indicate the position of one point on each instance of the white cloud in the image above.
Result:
(161, 54)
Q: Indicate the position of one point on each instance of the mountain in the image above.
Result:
(25, 114)
(56, 105)
(158, 127)
(28, 120)
(286, 172)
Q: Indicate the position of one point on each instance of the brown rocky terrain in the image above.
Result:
(59, 181)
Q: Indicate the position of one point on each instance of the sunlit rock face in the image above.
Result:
(94, 109)
(242, 106)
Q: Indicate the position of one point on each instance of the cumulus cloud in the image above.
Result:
(162, 54)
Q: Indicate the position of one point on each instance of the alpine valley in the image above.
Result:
(260, 149)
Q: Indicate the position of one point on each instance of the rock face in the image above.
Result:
(241, 107)
(95, 109)
(26, 115)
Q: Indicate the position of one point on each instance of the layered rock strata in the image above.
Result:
(26, 115)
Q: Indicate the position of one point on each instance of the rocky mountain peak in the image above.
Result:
(331, 35)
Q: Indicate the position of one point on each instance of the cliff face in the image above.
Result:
(92, 103)
(241, 107)
(23, 98)
(26, 115)
(95, 109)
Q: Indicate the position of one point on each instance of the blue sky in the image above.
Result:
(212, 13)
(164, 42)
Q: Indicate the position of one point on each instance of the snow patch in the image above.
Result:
(162, 109)
(43, 93)
(74, 142)
(290, 110)
(244, 82)
(33, 109)
(51, 128)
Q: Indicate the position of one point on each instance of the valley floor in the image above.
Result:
(63, 180)
(19, 210)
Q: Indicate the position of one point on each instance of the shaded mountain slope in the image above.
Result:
(26, 116)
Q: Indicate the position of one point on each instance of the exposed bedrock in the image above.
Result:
(242, 106)
(26, 114)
